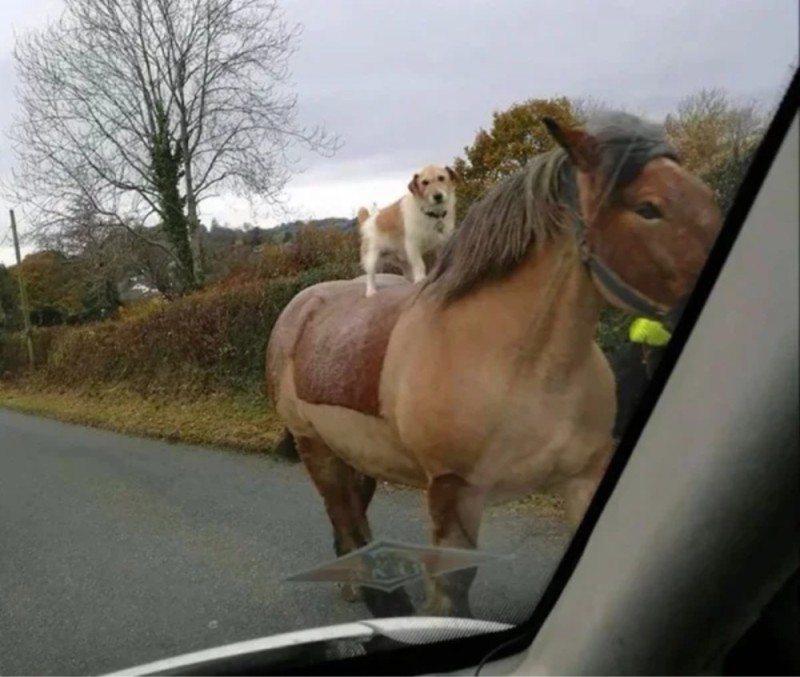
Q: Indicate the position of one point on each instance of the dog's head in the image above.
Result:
(434, 186)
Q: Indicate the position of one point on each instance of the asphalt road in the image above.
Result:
(116, 551)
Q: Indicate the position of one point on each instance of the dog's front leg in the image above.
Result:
(405, 268)
(416, 261)
(370, 262)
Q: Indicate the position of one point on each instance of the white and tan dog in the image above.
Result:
(419, 222)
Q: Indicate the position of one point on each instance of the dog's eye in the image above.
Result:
(648, 211)
(425, 182)
(441, 178)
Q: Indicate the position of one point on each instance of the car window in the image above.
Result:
(309, 328)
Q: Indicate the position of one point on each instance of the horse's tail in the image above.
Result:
(286, 448)
(363, 215)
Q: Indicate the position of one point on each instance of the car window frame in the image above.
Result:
(471, 655)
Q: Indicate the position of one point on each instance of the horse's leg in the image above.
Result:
(347, 494)
(579, 490)
(364, 488)
(455, 509)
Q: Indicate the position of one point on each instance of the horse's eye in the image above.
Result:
(647, 210)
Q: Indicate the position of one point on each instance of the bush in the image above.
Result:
(726, 179)
(14, 351)
(141, 308)
(612, 330)
(311, 248)
(213, 339)
(196, 344)
(210, 340)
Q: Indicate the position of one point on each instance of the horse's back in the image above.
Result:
(335, 339)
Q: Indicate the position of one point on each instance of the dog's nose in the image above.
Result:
(438, 197)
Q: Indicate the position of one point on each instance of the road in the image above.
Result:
(116, 551)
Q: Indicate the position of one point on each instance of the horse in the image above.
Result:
(483, 382)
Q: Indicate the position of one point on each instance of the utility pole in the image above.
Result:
(23, 294)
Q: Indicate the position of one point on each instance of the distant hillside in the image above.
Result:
(293, 226)
(223, 236)
(229, 249)
(226, 249)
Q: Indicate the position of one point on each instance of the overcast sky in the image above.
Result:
(406, 83)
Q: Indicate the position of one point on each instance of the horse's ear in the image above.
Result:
(412, 185)
(453, 174)
(582, 148)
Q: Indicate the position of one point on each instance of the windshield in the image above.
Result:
(318, 312)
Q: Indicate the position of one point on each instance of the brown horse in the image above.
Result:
(484, 381)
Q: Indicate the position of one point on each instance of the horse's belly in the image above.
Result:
(365, 442)
(544, 463)
(521, 464)
(537, 471)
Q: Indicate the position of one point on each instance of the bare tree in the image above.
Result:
(585, 107)
(101, 255)
(710, 129)
(117, 86)
(109, 258)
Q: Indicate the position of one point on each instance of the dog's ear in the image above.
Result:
(453, 174)
(413, 186)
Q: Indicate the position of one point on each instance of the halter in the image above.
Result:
(617, 287)
(612, 283)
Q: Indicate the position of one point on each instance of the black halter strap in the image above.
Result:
(612, 283)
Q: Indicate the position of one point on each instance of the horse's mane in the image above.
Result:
(536, 205)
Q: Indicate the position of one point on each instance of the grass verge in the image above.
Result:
(231, 421)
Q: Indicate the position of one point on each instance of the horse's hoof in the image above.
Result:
(350, 593)
(437, 605)
(388, 604)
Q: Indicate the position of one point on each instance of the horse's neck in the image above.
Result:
(547, 307)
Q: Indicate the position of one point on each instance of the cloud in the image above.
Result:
(7, 254)
(419, 81)
(320, 198)
(410, 83)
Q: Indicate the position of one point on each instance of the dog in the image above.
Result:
(413, 226)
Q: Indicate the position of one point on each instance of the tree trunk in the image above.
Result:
(195, 241)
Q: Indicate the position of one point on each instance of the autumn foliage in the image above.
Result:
(710, 130)
(205, 342)
(516, 135)
(715, 137)
(214, 339)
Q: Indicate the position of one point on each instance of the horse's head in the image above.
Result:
(646, 223)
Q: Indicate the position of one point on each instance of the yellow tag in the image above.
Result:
(649, 332)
